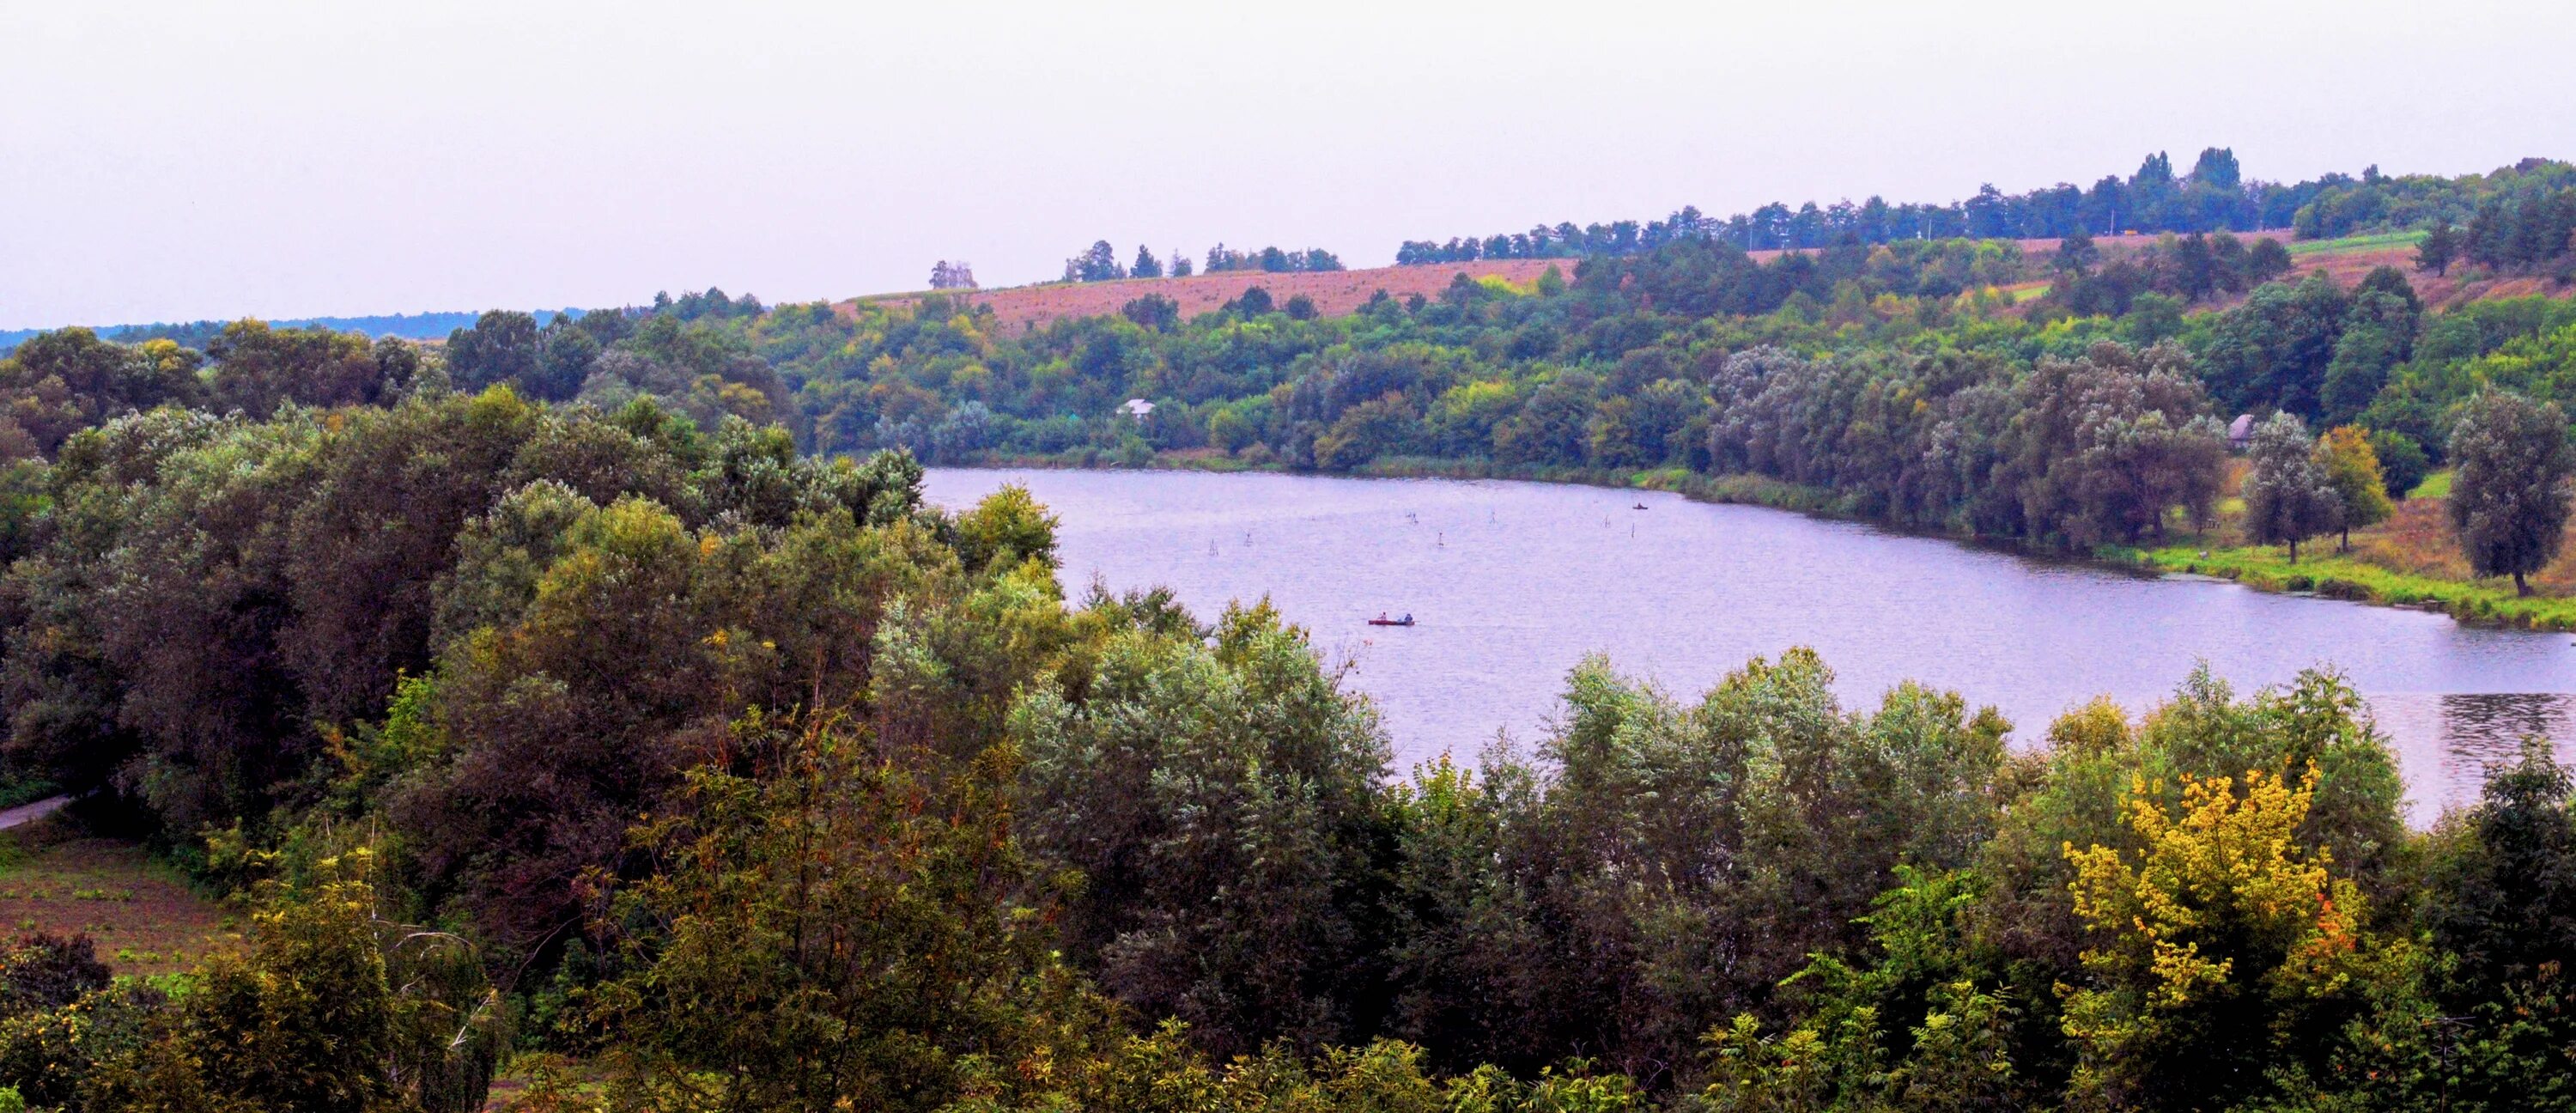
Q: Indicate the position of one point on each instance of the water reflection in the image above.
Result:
(2474, 731)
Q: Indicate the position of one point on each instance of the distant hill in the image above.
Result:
(195, 334)
(1023, 309)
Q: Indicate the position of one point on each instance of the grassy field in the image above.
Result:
(2381, 242)
(144, 917)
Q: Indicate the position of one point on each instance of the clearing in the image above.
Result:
(143, 916)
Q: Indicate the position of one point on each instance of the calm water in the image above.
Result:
(1512, 583)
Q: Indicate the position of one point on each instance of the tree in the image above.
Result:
(2077, 253)
(2266, 260)
(1153, 311)
(2441, 245)
(2352, 467)
(1097, 263)
(1180, 264)
(1145, 266)
(832, 930)
(257, 368)
(332, 1010)
(2222, 949)
(1222, 801)
(2288, 495)
(2216, 167)
(2508, 493)
(1254, 302)
(2106, 445)
(2401, 461)
(2196, 270)
(945, 275)
(502, 347)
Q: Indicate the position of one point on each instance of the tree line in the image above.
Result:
(2213, 196)
(1099, 263)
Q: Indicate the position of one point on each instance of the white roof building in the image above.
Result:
(1137, 407)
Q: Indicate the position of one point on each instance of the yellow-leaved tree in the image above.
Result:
(2226, 957)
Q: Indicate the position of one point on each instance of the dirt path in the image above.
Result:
(29, 813)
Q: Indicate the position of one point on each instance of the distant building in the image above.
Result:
(2240, 432)
(1137, 408)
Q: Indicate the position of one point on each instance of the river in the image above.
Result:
(1512, 583)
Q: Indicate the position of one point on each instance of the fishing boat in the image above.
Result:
(1383, 620)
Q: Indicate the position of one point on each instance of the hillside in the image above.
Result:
(1021, 309)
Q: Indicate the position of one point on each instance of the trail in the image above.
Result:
(29, 813)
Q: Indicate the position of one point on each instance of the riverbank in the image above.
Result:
(2332, 575)
(1748, 490)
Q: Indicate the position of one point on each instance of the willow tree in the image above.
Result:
(2289, 496)
(2508, 495)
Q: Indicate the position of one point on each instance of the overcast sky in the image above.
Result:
(193, 160)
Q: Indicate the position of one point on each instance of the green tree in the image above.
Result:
(502, 347)
(2104, 446)
(1223, 805)
(2401, 461)
(2508, 489)
(1145, 266)
(333, 1010)
(58, 383)
(1153, 311)
(1230, 430)
(1098, 263)
(2289, 495)
(2361, 492)
(2440, 247)
(832, 930)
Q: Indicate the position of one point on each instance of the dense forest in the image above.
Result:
(598, 697)
(2213, 196)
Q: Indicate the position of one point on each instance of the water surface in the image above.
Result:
(1512, 583)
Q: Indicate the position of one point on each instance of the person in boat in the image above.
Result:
(1408, 618)
(1381, 616)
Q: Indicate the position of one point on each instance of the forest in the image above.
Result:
(597, 706)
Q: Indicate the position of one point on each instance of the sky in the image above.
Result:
(181, 161)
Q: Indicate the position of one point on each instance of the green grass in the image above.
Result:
(2268, 568)
(2434, 486)
(2378, 242)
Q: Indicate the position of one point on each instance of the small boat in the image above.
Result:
(1639, 506)
(1383, 620)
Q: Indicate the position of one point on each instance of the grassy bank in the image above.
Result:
(2324, 572)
